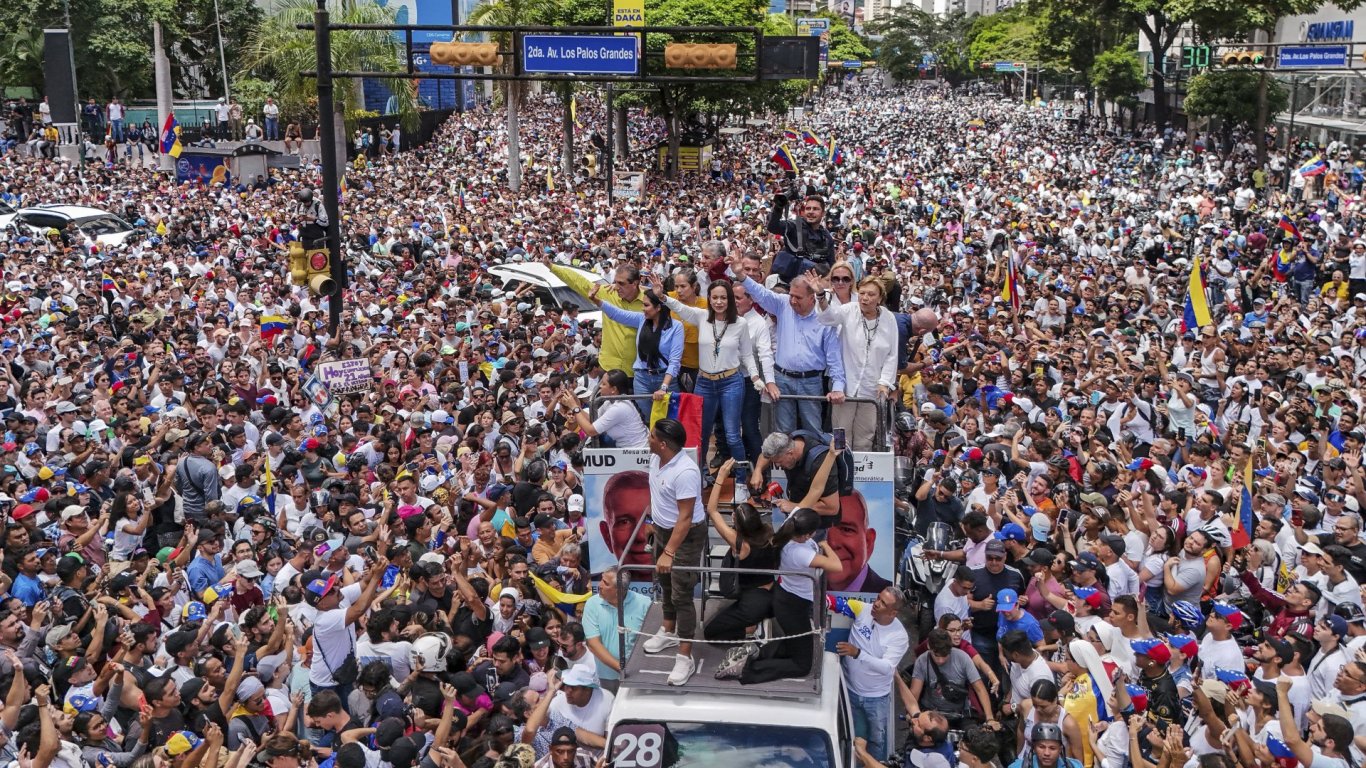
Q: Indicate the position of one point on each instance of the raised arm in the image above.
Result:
(689, 315)
(623, 316)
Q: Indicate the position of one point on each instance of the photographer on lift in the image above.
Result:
(807, 244)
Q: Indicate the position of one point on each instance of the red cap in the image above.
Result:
(22, 511)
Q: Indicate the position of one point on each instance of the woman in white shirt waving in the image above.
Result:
(868, 340)
(725, 355)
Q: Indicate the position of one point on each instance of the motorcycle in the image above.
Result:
(921, 579)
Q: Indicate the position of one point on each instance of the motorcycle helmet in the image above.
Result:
(1046, 732)
(320, 500)
(304, 196)
(905, 422)
(431, 650)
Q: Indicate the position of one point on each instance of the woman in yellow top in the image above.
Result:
(688, 293)
(1087, 698)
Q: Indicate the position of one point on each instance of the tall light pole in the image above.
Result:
(162, 70)
(222, 58)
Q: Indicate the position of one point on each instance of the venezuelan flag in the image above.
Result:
(1287, 226)
(810, 138)
(686, 408)
(1280, 265)
(217, 592)
(1197, 300)
(1246, 520)
(273, 325)
(549, 181)
(341, 190)
(783, 157)
(791, 134)
(107, 284)
(170, 137)
(1314, 167)
(836, 152)
(1010, 290)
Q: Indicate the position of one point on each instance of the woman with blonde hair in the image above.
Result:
(868, 344)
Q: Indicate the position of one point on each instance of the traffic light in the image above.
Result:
(700, 55)
(466, 54)
(1242, 58)
(298, 263)
(1194, 56)
(319, 267)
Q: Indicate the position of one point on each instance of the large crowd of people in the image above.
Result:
(1126, 369)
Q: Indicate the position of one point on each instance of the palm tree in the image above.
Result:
(509, 13)
(279, 47)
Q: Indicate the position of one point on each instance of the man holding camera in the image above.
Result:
(807, 244)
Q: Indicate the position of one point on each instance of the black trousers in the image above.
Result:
(784, 658)
(751, 607)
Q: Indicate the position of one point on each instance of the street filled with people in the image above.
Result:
(1118, 374)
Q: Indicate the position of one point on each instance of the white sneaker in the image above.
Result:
(683, 669)
(661, 642)
(741, 493)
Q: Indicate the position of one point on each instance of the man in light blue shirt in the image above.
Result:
(803, 352)
(600, 624)
(206, 569)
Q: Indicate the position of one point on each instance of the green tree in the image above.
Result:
(112, 42)
(279, 50)
(1230, 96)
(1117, 74)
(513, 13)
(909, 33)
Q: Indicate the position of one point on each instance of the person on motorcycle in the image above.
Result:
(973, 551)
(936, 501)
(1294, 609)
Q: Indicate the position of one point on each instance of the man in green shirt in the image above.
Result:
(618, 341)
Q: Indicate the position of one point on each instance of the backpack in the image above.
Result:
(817, 445)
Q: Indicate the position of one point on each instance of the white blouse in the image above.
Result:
(721, 346)
(869, 347)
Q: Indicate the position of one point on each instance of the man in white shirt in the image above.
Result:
(877, 643)
(1123, 580)
(761, 338)
(1323, 670)
(1027, 665)
(953, 598)
(680, 537)
(334, 634)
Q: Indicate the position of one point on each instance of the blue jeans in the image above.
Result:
(116, 129)
(749, 424)
(646, 383)
(272, 128)
(727, 396)
(791, 415)
(873, 721)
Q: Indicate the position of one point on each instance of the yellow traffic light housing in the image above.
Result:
(1243, 58)
(298, 263)
(700, 55)
(466, 54)
(319, 267)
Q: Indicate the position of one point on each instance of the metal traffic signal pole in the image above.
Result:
(327, 139)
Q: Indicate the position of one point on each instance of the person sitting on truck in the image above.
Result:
(751, 544)
(790, 657)
(806, 487)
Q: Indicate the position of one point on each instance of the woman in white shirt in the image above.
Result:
(868, 341)
(725, 358)
(130, 518)
(791, 601)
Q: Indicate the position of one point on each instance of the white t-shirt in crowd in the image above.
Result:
(620, 421)
(333, 639)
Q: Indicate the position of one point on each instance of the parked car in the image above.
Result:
(105, 227)
(550, 289)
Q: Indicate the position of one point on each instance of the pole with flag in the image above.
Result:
(783, 158)
(1010, 289)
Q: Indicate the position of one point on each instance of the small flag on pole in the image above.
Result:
(1287, 226)
(107, 284)
(836, 152)
(1010, 291)
(810, 138)
(791, 134)
(783, 157)
(549, 181)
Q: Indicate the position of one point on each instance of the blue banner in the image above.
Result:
(1289, 57)
(579, 55)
